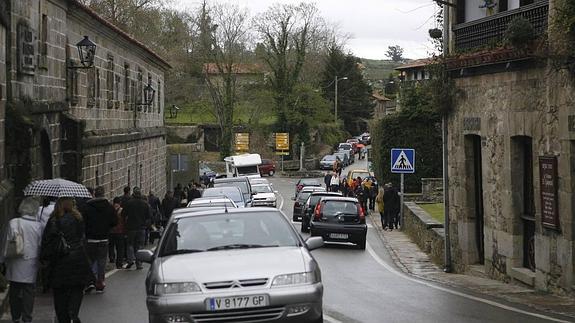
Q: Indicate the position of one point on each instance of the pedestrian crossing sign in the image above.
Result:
(403, 160)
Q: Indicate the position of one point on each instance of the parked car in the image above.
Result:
(264, 195)
(366, 138)
(339, 219)
(231, 192)
(208, 171)
(301, 198)
(243, 183)
(305, 182)
(346, 146)
(254, 181)
(354, 142)
(350, 155)
(343, 158)
(274, 278)
(212, 202)
(268, 167)
(309, 207)
(327, 162)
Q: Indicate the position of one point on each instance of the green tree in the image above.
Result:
(395, 53)
(355, 106)
(285, 33)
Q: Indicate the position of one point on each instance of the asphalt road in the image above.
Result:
(360, 286)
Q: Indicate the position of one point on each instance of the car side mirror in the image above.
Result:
(313, 243)
(145, 255)
(276, 192)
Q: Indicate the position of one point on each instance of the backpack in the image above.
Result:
(15, 246)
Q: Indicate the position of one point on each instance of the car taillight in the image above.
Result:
(361, 213)
(297, 204)
(317, 212)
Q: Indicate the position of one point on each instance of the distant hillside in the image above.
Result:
(378, 69)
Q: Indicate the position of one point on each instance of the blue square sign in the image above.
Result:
(403, 160)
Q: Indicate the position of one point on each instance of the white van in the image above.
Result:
(243, 165)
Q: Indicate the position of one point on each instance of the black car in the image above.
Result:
(339, 219)
(302, 198)
(309, 207)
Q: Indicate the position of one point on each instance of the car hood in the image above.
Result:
(264, 195)
(236, 264)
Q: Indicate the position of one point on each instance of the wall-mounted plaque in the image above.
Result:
(548, 187)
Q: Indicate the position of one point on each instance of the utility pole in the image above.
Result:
(301, 156)
(446, 9)
(335, 99)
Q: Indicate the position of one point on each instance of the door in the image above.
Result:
(478, 199)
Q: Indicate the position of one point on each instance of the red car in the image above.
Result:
(268, 167)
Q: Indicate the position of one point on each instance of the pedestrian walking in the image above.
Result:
(127, 196)
(205, 179)
(374, 191)
(21, 255)
(391, 205)
(327, 181)
(99, 218)
(360, 194)
(138, 216)
(63, 248)
(117, 243)
(178, 193)
(334, 184)
(169, 203)
(380, 207)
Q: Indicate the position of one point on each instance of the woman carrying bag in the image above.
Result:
(63, 247)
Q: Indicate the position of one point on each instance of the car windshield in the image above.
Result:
(242, 185)
(230, 192)
(303, 196)
(329, 158)
(345, 146)
(314, 199)
(262, 189)
(334, 208)
(309, 182)
(227, 231)
(247, 170)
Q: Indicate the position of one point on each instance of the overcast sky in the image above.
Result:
(373, 24)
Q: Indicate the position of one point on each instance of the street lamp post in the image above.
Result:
(335, 99)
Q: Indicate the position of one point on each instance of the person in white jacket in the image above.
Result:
(21, 271)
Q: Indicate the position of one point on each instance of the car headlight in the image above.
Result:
(177, 288)
(295, 279)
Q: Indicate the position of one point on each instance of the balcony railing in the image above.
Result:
(491, 30)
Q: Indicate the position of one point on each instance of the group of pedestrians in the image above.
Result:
(365, 190)
(67, 242)
(388, 204)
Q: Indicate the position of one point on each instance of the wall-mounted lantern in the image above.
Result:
(149, 93)
(86, 52)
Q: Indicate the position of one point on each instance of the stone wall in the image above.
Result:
(493, 115)
(432, 190)
(425, 231)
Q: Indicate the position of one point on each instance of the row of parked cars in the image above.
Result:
(328, 214)
(220, 260)
(345, 152)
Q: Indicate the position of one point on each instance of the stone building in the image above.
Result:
(91, 125)
(511, 149)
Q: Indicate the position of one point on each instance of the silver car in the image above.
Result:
(243, 265)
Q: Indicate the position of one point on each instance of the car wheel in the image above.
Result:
(362, 243)
(271, 173)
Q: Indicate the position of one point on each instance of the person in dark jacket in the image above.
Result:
(126, 196)
(99, 217)
(194, 193)
(117, 244)
(391, 205)
(138, 216)
(327, 181)
(69, 271)
(169, 203)
(178, 191)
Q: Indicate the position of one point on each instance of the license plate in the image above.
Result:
(236, 302)
(338, 235)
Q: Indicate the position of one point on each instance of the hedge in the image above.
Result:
(421, 132)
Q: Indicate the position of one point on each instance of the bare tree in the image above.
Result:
(223, 37)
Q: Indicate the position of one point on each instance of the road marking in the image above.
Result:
(330, 319)
(453, 292)
(282, 201)
(111, 272)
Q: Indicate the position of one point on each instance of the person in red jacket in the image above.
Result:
(117, 247)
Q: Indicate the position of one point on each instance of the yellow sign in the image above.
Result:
(242, 141)
(282, 141)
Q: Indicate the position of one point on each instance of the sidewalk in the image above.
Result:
(411, 260)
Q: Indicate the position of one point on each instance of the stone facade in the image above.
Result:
(508, 117)
(84, 124)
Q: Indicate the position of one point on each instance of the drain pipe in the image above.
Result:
(447, 268)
